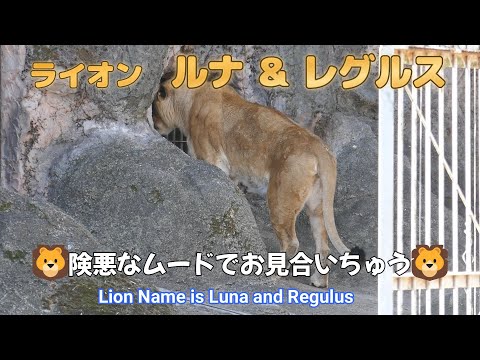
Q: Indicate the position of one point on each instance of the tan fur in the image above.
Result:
(260, 147)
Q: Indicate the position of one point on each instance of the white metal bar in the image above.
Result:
(478, 157)
(456, 188)
(455, 179)
(458, 279)
(447, 53)
(420, 162)
(420, 182)
(441, 183)
(461, 279)
(428, 167)
(474, 181)
(477, 232)
(428, 187)
(468, 182)
(447, 167)
(413, 181)
(385, 190)
(400, 123)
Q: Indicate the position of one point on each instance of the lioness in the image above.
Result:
(263, 149)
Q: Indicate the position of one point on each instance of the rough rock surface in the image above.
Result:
(93, 154)
(141, 193)
(24, 224)
(38, 125)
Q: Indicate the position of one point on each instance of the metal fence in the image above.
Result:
(177, 138)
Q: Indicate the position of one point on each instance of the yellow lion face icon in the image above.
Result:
(430, 262)
(49, 262)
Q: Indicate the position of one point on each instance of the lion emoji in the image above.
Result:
(49, 262)
(429, 262)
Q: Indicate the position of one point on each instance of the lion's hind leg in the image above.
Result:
(288, 189)
(314, 206)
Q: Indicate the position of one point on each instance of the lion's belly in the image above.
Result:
(243, 173)
(254, 184)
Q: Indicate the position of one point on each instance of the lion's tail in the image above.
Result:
(329, 179)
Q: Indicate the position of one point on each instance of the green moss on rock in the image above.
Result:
(134, 188)
(45, 52)
(225, 225)
(79, 296)
(5, 206)
(15, 255)
(154, 196)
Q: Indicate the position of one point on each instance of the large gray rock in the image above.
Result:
(38, 125)
(42, 125)
(91, 152)
(139, 193)
(125, 104)
(24, 224)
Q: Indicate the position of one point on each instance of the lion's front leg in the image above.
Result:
(204, 151)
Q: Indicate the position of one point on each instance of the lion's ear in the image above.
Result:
(57, 249)
(437, 250)
(42, 249)
(421, 249)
